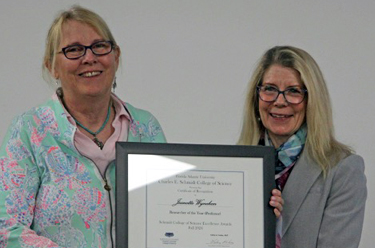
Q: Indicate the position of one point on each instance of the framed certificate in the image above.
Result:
(194, 196)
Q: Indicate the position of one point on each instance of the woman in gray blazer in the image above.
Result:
(322, 180)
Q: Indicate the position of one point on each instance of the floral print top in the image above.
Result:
(52, 196)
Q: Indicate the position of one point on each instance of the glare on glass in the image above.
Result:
(293, 95)
(97, 48)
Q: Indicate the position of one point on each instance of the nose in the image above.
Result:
(89, 57)
(280, 100)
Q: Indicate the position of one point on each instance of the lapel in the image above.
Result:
(303, 176)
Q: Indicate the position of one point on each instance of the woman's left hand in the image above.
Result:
(277, 202)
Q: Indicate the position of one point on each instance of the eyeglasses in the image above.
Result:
(98, 48)
(293, 95)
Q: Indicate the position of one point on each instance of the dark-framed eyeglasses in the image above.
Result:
(293, 95)
(98, 48)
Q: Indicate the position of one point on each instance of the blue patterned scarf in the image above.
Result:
(288, 152)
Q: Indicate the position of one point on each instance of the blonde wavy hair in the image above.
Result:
(321, 144)
(75, 13)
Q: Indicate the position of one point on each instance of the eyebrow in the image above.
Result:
(80, 44)
(272, 84)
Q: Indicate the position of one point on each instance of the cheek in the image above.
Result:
(113, 63)
(301, 113)
(59, 69)
(67, 69)
(263, 107)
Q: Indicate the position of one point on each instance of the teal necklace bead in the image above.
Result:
(95, 139)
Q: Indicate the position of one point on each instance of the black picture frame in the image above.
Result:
(126, 149)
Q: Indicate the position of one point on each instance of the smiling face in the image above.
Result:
(281, 118)
(89, 75)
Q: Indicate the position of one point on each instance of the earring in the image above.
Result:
(114, 85)
(58, 82)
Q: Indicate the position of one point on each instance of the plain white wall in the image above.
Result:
(189, 61)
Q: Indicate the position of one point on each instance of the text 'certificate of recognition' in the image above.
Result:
(196, 203)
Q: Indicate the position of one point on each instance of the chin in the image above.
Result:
(97, 91)
(281, 134)
(281, 131)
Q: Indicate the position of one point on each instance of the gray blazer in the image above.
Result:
(324, 212)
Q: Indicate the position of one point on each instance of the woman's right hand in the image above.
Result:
(277, 202)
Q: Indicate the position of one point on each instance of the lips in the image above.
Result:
(280, 115)
(90, 74)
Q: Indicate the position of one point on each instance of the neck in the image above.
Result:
(90, 113)
(278, 141)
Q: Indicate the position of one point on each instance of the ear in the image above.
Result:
(117, 52)
(53, 73)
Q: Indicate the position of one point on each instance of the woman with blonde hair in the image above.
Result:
(322, 181)
(57, 160)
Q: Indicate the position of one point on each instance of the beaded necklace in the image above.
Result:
(99, 143)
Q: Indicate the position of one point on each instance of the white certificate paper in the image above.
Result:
(195, 202)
